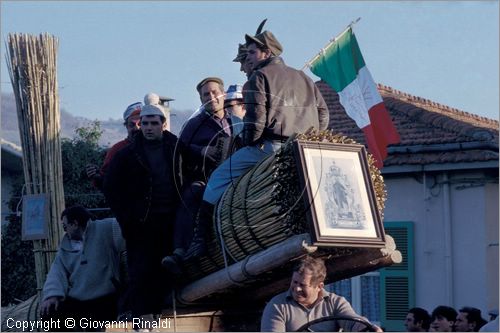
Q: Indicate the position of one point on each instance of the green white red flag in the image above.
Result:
(342, 66)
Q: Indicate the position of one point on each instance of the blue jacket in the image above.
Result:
(201, 131)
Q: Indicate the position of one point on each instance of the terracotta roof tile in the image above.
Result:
(423, 123)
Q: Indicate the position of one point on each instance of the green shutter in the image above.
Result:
(397, 282)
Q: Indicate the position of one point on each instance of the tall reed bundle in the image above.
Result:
(32, 64)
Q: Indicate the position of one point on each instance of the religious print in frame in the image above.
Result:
(338, 193)
(35, 216)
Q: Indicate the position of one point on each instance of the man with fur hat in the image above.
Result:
(132, 124)
(141, 189)
(280, 102)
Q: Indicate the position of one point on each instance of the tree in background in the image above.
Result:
(18, 265)
(76, 154)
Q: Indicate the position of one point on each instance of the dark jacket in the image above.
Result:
(281, 101)
(128, 182)
(199, 132)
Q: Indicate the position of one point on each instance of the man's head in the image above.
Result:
(443, 318)
(132, 119)
(469, 320)
(234, 100)
(261, 47)
(417, 320)
(74, 220)
(152, 120)
(211, 90)
(241, 58)
(308, 280)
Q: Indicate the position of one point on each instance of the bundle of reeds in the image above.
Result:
(265, 206)
(32, 64)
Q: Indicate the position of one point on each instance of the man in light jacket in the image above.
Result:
(84, 279)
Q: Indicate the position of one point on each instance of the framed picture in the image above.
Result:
(338, 193)
(35, 216)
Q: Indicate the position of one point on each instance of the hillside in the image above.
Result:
(113, 130)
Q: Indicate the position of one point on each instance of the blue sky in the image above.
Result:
(112, 53)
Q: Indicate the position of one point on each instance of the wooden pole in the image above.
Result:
(256, 264)
(32, 64)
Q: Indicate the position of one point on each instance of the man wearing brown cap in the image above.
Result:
(280, 102)
(208, 137)
(241, 58)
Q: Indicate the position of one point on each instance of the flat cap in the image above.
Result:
(266, 39)
(209, 79)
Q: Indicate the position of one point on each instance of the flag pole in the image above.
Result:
(308, 64)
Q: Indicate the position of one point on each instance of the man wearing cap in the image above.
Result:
(241, 58)
(235, 106)
(132, 124)
(280, 102)
(141, 189)
(208, 134)
(208, 141)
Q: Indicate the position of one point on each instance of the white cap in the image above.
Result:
(152, 106)
(152, 110)
(235, 91)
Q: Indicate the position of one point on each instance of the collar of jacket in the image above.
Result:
(270, 60)
(139, 139)
(211, 115)
(138, 150)
(66, 241)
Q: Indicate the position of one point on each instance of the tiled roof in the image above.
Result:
(431, 133)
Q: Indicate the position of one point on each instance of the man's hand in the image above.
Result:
(211, 153)
(50, 305)
(378, 329)
(91, 170)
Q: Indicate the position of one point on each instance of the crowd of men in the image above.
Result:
(447, 319)
(162, 189)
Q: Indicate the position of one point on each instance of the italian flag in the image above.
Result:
(341, 65)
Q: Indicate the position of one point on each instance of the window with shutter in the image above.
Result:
(397, 282)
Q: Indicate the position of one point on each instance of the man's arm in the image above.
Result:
(323, 113)
(273, 319)
(256, 115)
(343, 308)
(114, 190)
(55, 287)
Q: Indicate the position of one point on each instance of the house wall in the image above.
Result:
(492, 232)
(455, 215)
